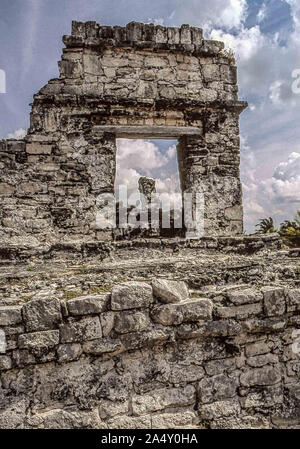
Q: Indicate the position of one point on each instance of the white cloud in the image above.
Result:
(289, 169)
(277, 196)
(18, 134)
(171, 152)
(262, 13)
(157, 21)
(139, 154)
(136, 158)
(228, 14)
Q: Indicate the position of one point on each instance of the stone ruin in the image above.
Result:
(140, 81)
(149, 332)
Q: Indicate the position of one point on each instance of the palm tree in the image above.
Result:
(290, 231)
(266, 226)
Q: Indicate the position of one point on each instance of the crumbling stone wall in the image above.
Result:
(148, 355)
(138, 81)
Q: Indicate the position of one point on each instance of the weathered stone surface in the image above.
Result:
(138, 340)
(162, 399)
(170, 291)
(217, 387)
(129, 422)
(41, 314)
(69, 352)
(5, 362)
(63, 419)
(39, 343)
(256, 349)
(261, 360)
(102, 346)
(261, 376)
(10, 315)
(131, 322)
(177, 420)
(131, 295)
(274, 301)
(38, 148)
(107, 321)
(219, 409)
(186, 311)
(247, 296)
(87, 305)
(240, 312)
(225, 358)
(110, 409)
(292, 299)
(88, 328)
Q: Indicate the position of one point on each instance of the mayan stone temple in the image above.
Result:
(145, 330)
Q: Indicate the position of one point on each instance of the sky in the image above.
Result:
(265, 35)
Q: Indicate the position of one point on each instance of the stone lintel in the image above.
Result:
(148, 132)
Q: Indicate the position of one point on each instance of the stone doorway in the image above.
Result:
(149, 168)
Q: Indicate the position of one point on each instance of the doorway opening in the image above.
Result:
(147, 175)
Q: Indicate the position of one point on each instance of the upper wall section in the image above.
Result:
(142, 80)
(160, 68)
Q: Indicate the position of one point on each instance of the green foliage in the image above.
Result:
(266, 226)
(290, 231)
(106, 288)
(71, 295)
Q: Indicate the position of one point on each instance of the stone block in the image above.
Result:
(137, 340)
(103, 346)
(109, 409)
(241, 312)
(38, 148)
(88, 328)
(186, 311)
(169, 291)
(69, 352)
(39, 343)
(88, 305)
(107, 320)
(261, 360)
(162, 399)
(129, 422)
(6, 189)
(211, 72)
(256, 349)
(42, 314)
(91, 64)
(261, 376)
(126, 322)
(247, 296)
(217, 387)
(5, 362)
(292, 299)
(274, 301)
(219, 409)
(234, 212)
(180, 420)
(131, 295)
(10, 315)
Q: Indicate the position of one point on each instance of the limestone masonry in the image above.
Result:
(154, 332)
(138, 81)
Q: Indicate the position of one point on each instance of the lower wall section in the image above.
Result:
(151, 356)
